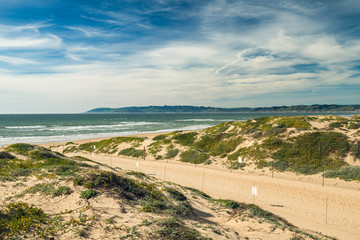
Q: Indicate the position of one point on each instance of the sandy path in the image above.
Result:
(301, 203)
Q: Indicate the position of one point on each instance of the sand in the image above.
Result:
(332, 209)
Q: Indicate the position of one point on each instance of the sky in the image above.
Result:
(69, 56)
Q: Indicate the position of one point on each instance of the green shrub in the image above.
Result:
(228, 203)
(311, 152)
(174, 229)
(272, 143)
(172, 153)
(18, 219)
(193, 156)
(21, 148)
(160, 137)
(335, 125)
(354, 125)
(87, 194)
(355, 150)
(6, 155)
(109, 145)
(132, 152)
(236, 165)
(346, 173)
(218, 144)
(42, 154)
(176, 194)
(186, 139)
(49, 189)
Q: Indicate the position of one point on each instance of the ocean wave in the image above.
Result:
(26, 127)
(74, 137)
(195, 120)
(119, 126)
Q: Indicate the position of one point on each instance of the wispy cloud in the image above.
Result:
(16, 61)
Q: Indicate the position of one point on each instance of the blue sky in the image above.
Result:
(71, 56)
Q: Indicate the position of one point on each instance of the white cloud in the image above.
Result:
(51, 41)
(16, 61)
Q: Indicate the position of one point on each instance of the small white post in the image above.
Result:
(137, 166)
(254, 192)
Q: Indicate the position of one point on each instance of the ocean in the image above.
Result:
(47, 128)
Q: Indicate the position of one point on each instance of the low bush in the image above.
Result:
(178, 196)
(186, 139)
(346, 173)
(49, 189)
(21, 148)
(172, 153)
(19, 219)
(193, 156)
(335, 125)
(312, 152)
(174, 229)
(160, 137)
(132, 152)
(6, 155)
(87, 194)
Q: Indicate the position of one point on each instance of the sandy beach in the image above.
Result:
(332, 209)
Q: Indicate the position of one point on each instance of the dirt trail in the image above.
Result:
(301, 203)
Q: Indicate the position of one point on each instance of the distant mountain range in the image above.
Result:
(201, 109)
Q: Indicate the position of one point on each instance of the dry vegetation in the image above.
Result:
(45, 195)
(302, 144)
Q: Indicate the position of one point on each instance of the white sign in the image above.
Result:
(254, 190)
(94, 147)
(137, 164)
(239, 159)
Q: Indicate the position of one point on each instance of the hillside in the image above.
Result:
(194, 109)
(46, 195)
(305, 145)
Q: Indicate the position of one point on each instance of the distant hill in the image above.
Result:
(201, 109)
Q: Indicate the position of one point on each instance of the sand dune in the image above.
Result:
(302, 203)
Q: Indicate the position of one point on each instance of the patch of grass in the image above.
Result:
(6, 155)
(172, 153)
(294, 122)
(193, 156)
(199, 193)
(311, 152)
(173, 228)
(254, 152)
(272, 143)
(355, 150)
(49, 189)
(336, 125)
(235, 164)
(132, 152)
(107, 145)
(87, 194)
(186, 139)
(346, 173)
(220, 128)
(218, 144)
(20, 148)
(160, 137)
(40, 154)
(175, 194)
(19, 219)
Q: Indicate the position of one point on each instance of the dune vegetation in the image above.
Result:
(302, 144)
(54, 196)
